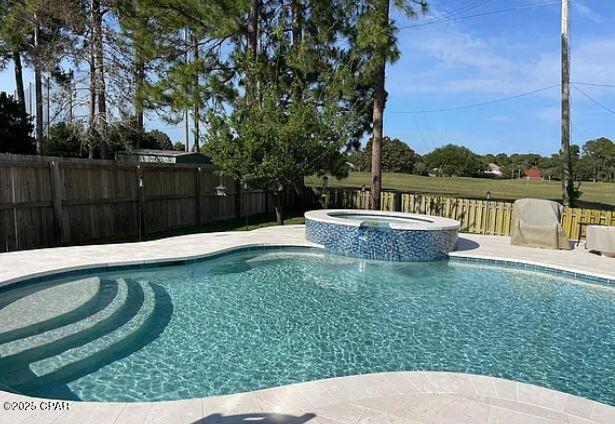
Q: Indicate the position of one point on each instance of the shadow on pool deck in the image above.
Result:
(464, 244)
(260, 418)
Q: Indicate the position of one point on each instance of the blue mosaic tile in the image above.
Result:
(384, 244)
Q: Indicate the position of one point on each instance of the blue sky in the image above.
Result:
(466, 61)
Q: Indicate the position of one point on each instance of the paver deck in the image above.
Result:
(396, 397)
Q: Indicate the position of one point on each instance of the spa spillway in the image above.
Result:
(388, 236)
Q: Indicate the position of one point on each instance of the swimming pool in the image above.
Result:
(269, 317)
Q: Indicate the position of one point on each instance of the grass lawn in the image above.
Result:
(595, 195)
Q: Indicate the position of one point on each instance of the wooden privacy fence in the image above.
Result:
(476, 216)
(55, 201)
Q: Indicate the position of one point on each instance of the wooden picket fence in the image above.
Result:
(476, 216)
(48, 201)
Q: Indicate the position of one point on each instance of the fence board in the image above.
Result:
(100, 200)
(476, 216)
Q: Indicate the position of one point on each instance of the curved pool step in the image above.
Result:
(85, 296)
(16, 369)
(69, 361)
(47, 337)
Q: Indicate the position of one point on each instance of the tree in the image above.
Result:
(293, 116)
(15, 127)
(452, 160)
(40, 29)
(64, 139)
(268, 147)
(155, 139)
(601, 152)
(11, 45)
(378, 37)
(397, 156)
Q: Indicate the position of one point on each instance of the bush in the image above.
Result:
(65, 139)
(15, 127)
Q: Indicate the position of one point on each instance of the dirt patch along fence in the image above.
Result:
(54, 201)
(476, 216)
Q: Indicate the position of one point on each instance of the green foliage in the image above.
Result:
(601, 152)
(124, 136)
(65, 140)
(452, 160)
(156, 139)
(397, 156)
(269, 148)
(15, 127)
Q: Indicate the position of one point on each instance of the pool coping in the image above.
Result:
(429, 222)
(251, 241)
(128, 265)
(389, 397)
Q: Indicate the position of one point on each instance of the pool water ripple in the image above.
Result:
(260, 319)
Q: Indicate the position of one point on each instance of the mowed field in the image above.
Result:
(595, 195)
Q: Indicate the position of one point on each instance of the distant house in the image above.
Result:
(493, 170)
(532, 174)
(161, 156)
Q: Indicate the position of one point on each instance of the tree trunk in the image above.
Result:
(297, 93)
(278, 204)
(92, 102)
(380, 97)
(21, 97)
(38, 90)
(101, 123)
(297, 40)
(139, 77)
(252, 36)
(197, 97)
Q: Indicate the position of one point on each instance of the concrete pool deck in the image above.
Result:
(397, 397)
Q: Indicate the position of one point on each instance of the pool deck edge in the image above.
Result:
(392, 397)
(395, 397)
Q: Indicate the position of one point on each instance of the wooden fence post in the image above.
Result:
(56, 195)
(197, 194)
(141, 201)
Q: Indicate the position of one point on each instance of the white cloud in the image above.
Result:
(458, 62)
(585, 11)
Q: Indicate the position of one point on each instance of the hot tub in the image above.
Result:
(388, 236)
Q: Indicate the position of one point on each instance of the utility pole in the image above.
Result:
(186, 130)
(567, 183)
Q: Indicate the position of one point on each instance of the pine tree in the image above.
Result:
(38, 29)
(377, 36)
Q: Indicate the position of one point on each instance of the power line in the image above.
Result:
(451, 14)
(611, 111)
(593, 84)
(503, 99)
(477, 15)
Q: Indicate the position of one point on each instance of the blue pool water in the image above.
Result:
(266, 318)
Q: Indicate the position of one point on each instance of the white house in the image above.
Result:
(493, 170)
